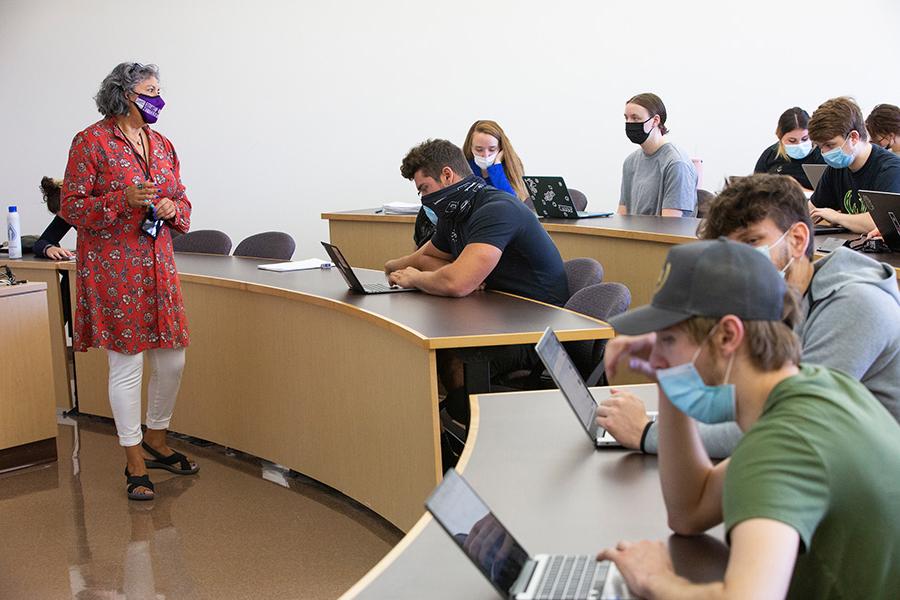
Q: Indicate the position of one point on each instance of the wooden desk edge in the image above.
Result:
(384, 218)
(612, 232)
(30, 287)
(426, 518)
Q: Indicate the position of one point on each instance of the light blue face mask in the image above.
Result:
(798, 151)
(837, 158)
(766, 250)
(687, 391)
(432, 216)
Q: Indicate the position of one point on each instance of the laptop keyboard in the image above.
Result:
(377, 287)
(571, 577)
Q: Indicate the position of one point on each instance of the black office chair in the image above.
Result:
(582, 272)
(270, 244)
(205, 241)
(578, 199)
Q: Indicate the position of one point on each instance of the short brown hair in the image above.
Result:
(654, 105)
(883, 121)
(770, 344)
(746, 201)
(837, 117)
(431, 156)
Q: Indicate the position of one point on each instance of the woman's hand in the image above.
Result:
(165, 209)
(57, 253)
(141, 195)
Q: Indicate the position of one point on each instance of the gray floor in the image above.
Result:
(238, 529)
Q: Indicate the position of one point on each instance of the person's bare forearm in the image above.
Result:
(684, 471)
(673, 587)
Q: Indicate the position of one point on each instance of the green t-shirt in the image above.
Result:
(824, 458)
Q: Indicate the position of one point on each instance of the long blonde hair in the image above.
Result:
(512, 164)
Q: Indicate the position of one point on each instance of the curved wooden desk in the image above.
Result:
(532, 463)
(296, 369)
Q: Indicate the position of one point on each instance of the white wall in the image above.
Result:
(280, 110)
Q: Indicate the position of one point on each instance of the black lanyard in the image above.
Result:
(143, 161)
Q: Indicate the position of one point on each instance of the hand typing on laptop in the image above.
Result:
(624, 416)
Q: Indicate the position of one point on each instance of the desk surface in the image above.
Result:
(556, 496)
(483, 318)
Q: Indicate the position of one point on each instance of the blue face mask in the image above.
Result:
(766, 250)
(798, 151)
(837, 158)
(432, 216)
(687, 391)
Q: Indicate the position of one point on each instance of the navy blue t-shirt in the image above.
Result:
(770, 162)
(838, 188)
(530, 265)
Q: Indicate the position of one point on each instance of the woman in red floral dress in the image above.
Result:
(122, 190)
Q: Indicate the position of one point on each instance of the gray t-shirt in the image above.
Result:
(665, 179)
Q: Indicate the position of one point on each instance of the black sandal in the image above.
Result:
(184, 466)
(138, 481)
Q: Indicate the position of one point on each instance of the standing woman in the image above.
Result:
(883, 124)
(122, 190)
(792, 150)
(659, 177)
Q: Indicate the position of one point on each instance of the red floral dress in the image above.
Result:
(128, 293)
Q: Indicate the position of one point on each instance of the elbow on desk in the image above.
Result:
(686, 525)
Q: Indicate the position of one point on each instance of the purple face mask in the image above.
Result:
(149, 107)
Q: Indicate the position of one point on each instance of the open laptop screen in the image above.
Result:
(569, 381)
(475, 529)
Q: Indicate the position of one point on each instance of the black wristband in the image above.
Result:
(644, 435)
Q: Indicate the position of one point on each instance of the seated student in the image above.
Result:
(659, 178)
(809, 499)
(484, 238)
(47, 245)
(850, 314)
(491, 156)
(792, 150)
(854, 164)
(883, 124)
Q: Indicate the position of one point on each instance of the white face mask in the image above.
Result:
(766, 249)
(484, 162)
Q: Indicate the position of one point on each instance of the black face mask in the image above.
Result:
(636, 133)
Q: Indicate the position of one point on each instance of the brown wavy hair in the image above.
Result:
(512, 164)
(50, 189)
(654, 106)
(883, 121)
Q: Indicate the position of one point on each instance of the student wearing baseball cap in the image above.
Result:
(807, 512)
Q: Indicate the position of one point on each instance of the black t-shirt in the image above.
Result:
(838, 187)
(530, 265)
(770, 162)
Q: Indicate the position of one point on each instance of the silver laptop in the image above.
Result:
(353, 282)
(814, 173)
(551, 198)
(505, 563)
(573, 388)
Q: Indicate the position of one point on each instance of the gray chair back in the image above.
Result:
(205, 241)
(582, 272)
(703, 200)
(578, 199)
(601, 301)
(270, 244)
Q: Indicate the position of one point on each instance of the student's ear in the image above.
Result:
(798, 238)
(730, 334)
(446, 176)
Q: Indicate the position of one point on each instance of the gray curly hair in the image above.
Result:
(111, 99)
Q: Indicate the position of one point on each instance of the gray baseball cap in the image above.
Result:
(709, 279)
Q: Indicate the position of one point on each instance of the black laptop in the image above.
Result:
(885, 210)
(505, 563)
(551, 198)
(337, 257)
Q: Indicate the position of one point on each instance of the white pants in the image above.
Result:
(125, 375)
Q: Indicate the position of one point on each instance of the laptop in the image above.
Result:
(573, 388)
(513, 572)
(885, 210)
(551, 199)
(814, 173)
(337, 257)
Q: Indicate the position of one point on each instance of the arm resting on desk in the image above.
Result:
(457, 279)
(763, 552)
(691, 485)
(861, 223)
(426, 258)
